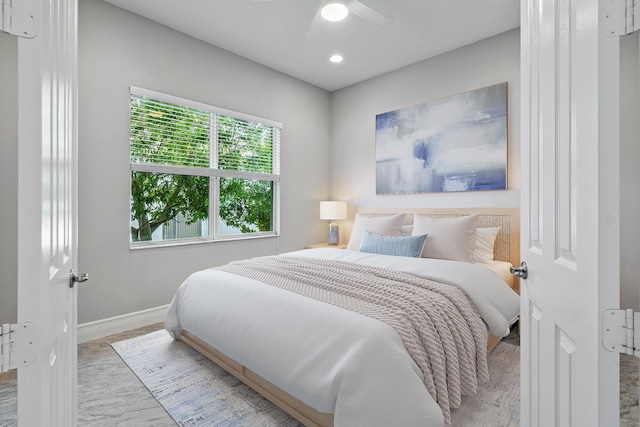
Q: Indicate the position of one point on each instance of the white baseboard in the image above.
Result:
(114, 325)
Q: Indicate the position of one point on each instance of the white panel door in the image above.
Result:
(47, 214)
(570, 214)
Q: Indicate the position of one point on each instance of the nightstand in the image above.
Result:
(326, 245)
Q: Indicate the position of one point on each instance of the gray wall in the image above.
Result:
(118, 49)
(8, 177)
(353, 112)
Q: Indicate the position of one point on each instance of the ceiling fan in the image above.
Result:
(337, 10)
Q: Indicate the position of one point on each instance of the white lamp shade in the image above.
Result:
(333, 210)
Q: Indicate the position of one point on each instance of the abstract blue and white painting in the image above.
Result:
(458, 143)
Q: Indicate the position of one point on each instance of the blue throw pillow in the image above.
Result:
(392, 245)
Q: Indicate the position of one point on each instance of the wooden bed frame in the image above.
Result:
(304, 413)
(507, 248)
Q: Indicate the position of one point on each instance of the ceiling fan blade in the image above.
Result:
(368, 13)
(315, 25)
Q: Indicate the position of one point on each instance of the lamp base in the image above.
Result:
(334, 234)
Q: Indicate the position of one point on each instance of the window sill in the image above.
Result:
(174, 244)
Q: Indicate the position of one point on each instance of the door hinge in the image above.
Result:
(621, 331)
(619, 17)
(20, 17)
(18, 345)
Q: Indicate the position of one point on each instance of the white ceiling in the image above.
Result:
(275, 32)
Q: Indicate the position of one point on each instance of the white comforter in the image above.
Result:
(332, 359)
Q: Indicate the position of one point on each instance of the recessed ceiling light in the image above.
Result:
(336, 58)
(334, 10)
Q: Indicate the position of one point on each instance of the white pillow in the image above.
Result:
(485, 240)
(389, 225)
(449, 238)
(407, 229)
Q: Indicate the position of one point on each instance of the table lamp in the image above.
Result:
(333, 210)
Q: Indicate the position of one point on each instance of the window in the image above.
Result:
(199, 172)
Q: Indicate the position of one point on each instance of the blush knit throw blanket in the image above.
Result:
(437, 322)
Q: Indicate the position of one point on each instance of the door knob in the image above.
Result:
(521, 271)
(74, 278)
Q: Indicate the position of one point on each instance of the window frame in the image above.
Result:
(212, 172)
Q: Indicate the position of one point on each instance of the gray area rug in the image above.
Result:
(196, 392)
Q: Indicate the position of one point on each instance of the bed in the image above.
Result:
(327, 358)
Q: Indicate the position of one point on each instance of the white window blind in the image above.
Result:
(164, 133)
